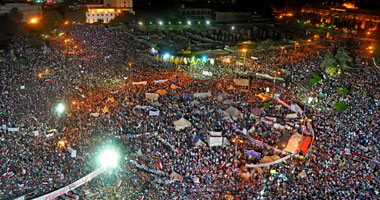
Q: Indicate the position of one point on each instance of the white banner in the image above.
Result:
(160, 81)
(13, 129)
(154, 113)
(94, 114)
(140, 83)
(72, 186)
(74, 153)
(50, 135)
(36, 133)
(268, 164)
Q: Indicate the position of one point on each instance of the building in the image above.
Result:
(197, 13)
(30, 11)
(106, 12)
(347, 14)
(126, 4)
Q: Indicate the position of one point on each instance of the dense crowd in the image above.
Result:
(87, 69)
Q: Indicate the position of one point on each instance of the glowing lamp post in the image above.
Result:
(60, 108)
(109, 158)
(33, 21)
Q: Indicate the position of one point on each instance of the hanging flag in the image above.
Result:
(159, 165)
(119, 183)
(121, 127)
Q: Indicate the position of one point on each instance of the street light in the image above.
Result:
(208, 22)
(160, 23)
(140, 23)
(232, 27)
(130, 73)
(189, 23)
(109, 158)
(60, 108)
(276, 73)
(33, 21)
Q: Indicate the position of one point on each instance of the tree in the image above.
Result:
(343, 58)
(376, 54)
(124, 17)
(76, 16)
(10, 22)
(15, 15)
(51, 20)
(331, 70)
(340, 106)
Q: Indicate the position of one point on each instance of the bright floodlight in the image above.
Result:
(109, 158)
(160, 22)
(208, 22)
(233, 28)
(188, 22)
(60, 108)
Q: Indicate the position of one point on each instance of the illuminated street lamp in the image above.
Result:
(276, 73)
(208, 22)
(60, 108)
(140, 23)
(189, 23)
(109, 158)
(33, 21)
(160, 23)
(232, 27)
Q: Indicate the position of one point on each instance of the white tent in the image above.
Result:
(181, 124)
(200, 143)
(151, 96)
(233, 112)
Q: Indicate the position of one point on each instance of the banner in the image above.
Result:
(72, 186)
(295, 108)
(74, 153)
(13, 129)
(94, 114)
(140, 83)
(160, 81)
(268, 164)
(36, 133)
(154, 113)
(252, 153)
(283, 103)
(145, 168)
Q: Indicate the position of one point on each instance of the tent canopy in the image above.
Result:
(181, 124)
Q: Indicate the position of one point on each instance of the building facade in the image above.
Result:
(348, 14)
(106, 12)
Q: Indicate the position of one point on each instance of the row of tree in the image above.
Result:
(336, 64)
